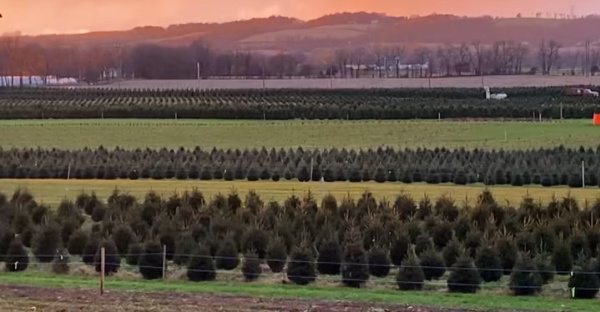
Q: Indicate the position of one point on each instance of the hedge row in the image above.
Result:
(355, 238)
(287, 104)
(548, 167)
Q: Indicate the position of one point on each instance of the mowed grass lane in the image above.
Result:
(76, 134)
(52, 192)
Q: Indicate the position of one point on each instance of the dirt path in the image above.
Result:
(36, 299)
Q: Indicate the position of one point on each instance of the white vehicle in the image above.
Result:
(494, 96)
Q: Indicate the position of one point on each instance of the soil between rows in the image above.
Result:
(38, 299)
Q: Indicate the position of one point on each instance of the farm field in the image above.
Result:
(230, 224)
(52, 192)
(156, 134)
(362, 83)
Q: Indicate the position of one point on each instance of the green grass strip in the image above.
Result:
(476, 301)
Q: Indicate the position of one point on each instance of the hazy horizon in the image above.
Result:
(72, 16)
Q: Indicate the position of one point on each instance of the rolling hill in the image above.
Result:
(344, 29)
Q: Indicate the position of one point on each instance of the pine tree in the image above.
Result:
(432, 263)
(151, 261)
(399, 249)
(123, 237)
(201, 266)
(545, 267)
(276, 254)
(355, 265)
(508, 252)
(184, 248)
(562, 258)
(134, 253)
(77, 242)
(90, 248)
(301, 266)
(411, 275)
(452, 252)
(227, 257)
(16, 258)
(379, 261)
(489, 264)
(525, 279)
(584, 281)
(464, 277)
(251, 266)
(112, 258)
(330, 256)
(46, 241)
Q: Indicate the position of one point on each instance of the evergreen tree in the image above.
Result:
(185, 247)
(301, 266)
(464, 277)
(562, 258)
(251, 266)
(16, 259)
(399, 248)
(46, 241)
(525, 279)
(276, 254)
(432, 264)
(452, 252)
(489, 264)
(508, 252)
(355, 265)
(134, 253)
(411, 275)
(227, 257)
(112, 258)
(584, 282)
(123, 237)
(201, 266)
(330, 256)
(91, 246)
(545, 267)
(379, 261)
(77, 242)
(151, 261)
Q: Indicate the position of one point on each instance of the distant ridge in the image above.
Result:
(341, 29)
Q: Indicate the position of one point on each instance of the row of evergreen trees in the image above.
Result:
(356, 239)
(354, 264)
(547, 167)
(291, 104)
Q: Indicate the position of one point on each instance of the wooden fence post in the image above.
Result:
(102, 267)
(164, 268)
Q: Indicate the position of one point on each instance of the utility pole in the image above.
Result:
(583, 173)
(198, 74)
(118, 47)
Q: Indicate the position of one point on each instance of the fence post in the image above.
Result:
(164, 267)
(102, 272)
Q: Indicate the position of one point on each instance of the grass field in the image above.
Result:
(74, 134)
(484, 300)
(53, 191)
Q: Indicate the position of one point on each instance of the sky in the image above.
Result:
(75, 16)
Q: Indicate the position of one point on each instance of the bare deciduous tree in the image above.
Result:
(548, 55)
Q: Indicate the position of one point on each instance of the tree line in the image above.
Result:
(154, 61)
(546, 167)
(351, 240)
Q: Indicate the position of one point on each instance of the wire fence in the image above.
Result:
(110, 264)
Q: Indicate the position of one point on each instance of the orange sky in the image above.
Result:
(50, 16)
